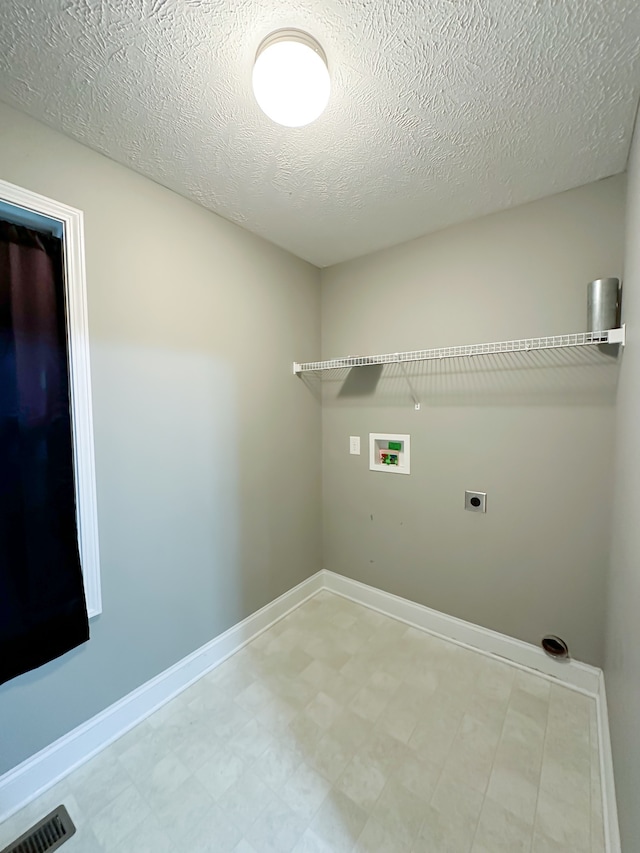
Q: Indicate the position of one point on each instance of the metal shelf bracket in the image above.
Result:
(412, 390)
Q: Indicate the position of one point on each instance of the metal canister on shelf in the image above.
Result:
(603, 304)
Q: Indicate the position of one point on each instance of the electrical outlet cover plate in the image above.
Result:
(475, 501)
(389, 453)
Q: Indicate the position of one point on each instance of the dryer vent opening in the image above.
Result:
(555, 647)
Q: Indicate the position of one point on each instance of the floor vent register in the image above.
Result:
(46, 835)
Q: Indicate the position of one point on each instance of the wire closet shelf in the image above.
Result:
(577, 339)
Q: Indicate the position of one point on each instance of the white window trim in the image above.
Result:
(80, 379)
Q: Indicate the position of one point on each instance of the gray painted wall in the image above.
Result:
(535, 432)
(194, 324)
(622, 661)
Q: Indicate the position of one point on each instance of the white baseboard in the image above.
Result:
(35, 775)
(574, 674)
(609, 809)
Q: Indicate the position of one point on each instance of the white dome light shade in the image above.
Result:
(290, 78)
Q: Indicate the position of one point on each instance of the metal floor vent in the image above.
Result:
(46, 835)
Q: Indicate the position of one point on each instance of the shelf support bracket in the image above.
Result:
(412, 390)
(618, 336)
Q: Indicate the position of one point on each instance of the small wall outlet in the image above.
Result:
(354, 445)
(475, 501)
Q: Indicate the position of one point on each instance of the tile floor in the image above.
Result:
(340, 729)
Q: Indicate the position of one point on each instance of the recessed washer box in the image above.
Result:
(389, 453)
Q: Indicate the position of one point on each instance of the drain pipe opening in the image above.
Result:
(555, 647)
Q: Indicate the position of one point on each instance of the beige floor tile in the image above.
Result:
(360, 667)
(195, 746)
(369, 703)
(99, 782)
(375, 838)
(252, 740)
(384, 752)
(302, 735)
(563, 824)
(384, 684)
(162, 780)
(147, 837)
(294, 691)
(323, 710)
(142, 756)
(305, 791)
(277, 830)
(350, 730)
(457, 800)
(542, 844)
(363, 781)
(221, 771)
(521, 746)
(515, 791)
(226, 681)
(325, 678)
(569, 712)
(181, 814)
(534, 684)
(277, 764)
(400, 812)
(398, 722)
(254, 697)
(472, 752)
(339, 822)
(243, 846)
(488, 702)
(435, 732)
(450, 822)
(499, 831)
(319, 675)
(324, 649)
(244, 801)
(522, 738)
(419, 777)
(228, 721)
(215, 833)
(533, 706)
(119, 818)
(515, 776)
(311, 842)
(343, 619)
(566, 782)
(331, 756)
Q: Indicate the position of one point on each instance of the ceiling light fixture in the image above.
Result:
(290, 78)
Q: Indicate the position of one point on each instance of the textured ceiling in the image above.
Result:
(440, 111)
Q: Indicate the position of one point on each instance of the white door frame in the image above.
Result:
(79, 380)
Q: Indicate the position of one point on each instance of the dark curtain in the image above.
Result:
(42, 607)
